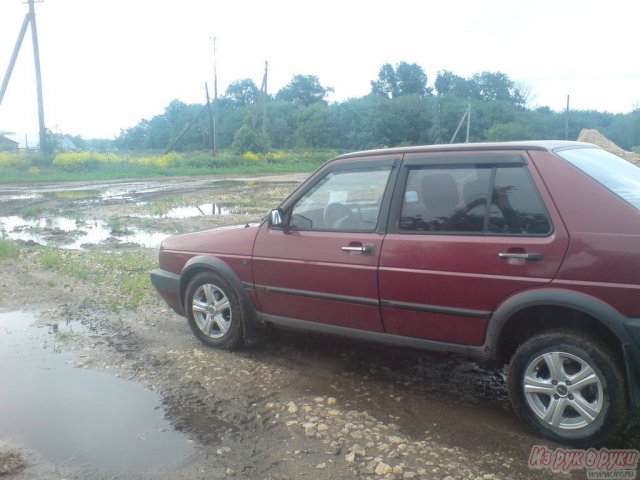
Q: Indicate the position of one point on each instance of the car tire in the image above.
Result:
(213, 311)
(569, 388)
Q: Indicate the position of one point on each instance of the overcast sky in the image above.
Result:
(107, 64)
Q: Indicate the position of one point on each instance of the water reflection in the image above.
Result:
(73, 234)
(205, 209)
(77, 415)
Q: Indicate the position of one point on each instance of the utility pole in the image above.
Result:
(264, 97)
(211, 121)
(36, 60)
(468, 122)
(262, 101)
(30, 18)
(467, 116)
(566, 121)
(215, 101)
(14, 56)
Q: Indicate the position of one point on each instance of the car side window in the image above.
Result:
(480, 199)
(435, 200)
(519, 207)
(343, 200)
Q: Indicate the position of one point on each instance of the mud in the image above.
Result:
(296, 406)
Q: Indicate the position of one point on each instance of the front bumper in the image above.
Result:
(168, 286)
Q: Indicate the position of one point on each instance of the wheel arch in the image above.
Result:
(543, 309)
(535, 311)
(201, 264)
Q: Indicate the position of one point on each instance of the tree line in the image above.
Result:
(401, 109)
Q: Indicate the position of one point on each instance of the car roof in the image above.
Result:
(548, 145)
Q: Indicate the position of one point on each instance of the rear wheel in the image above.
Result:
(213, 311)
(569, 388)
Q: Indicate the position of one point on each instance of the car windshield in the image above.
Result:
(615, 173)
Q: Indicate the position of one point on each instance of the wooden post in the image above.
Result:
(264, 98)
(215, 101)
(36, 60)
(211, 122)
(566, 121)
(468, 122)
(14, 56)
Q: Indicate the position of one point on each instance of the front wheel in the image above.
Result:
(568, 387)
(213, 311)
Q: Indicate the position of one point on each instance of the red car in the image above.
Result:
(524, 253)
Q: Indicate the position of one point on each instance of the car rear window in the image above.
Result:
(616, 174)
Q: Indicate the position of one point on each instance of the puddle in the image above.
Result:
(10, 196)
(76, 415)
(72, 234)
(206, 209)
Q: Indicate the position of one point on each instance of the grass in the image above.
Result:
(122, 277)
(33, 210)
(117, 227)
(8, 248)
(64, 336)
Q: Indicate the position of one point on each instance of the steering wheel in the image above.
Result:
(337, 215)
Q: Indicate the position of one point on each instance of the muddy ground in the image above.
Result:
(296, 406)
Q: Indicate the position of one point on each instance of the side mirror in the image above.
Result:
(276, 218)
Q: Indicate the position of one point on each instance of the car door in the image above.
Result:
(467, 230)
(321, 264)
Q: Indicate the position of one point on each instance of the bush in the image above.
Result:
(248, 139)
(13, 160)
(85, 160)
(8, 248)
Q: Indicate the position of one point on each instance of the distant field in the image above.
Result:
(87, 165)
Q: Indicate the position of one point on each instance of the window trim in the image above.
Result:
(342, 165)
(461, 161)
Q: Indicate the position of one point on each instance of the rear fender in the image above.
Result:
(555, 297)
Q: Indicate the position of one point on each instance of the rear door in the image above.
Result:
(467, 229)
(322, 265)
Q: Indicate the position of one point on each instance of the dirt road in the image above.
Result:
(296, 406)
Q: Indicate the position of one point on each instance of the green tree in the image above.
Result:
(387, 83)
(448, 83)
(399, 111)
(303, 90)
(508, 131)
(242, 92)
(496, 86)
(313, 127)
(404, 79)
(412, 80)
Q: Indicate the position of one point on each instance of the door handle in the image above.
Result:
(522, 256)
(363, 248)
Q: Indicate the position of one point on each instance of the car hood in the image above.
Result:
(234, 240)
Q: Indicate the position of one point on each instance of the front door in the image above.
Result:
(321, 265)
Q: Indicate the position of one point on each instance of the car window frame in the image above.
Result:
(462, 160)
(352, 163)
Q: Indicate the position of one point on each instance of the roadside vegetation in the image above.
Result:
(8, 249)
(91, 165)
(122, 278)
